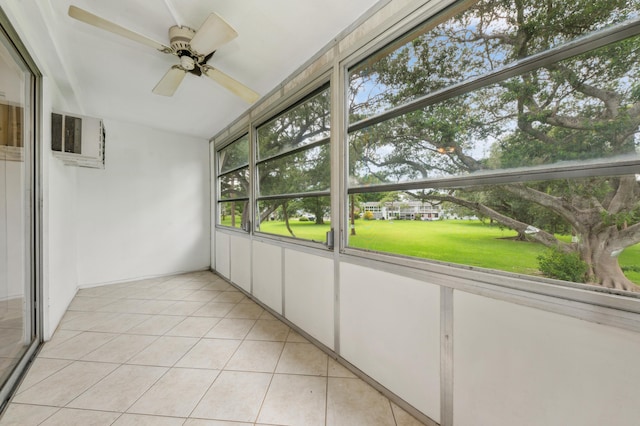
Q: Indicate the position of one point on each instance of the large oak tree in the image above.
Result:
(578, 109)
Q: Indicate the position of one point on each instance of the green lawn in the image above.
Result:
(458, 241)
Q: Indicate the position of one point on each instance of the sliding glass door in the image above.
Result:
(18, 325)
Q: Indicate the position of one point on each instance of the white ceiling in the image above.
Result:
(112, 77)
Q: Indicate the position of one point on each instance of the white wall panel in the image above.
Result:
(515, 365)
(267, 274)
(309, 294)
(222, 254)
(147, 212)
(240, 263)
(390, 329)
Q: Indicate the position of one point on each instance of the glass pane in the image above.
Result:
(234, 155)
(580, 109)
(301, 125)
(304, 218)
(234, 214)
(487, 36)
(16, 311)
(234, 184)
(580, 230)
(304, 171)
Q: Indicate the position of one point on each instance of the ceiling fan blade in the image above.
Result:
(212, 34)
(168, 85)
(96, 21)
(230, 84)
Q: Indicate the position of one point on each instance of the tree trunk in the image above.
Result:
(245, 217)
(286, 219)
(604, 269)
(233, 214)
(352, 213)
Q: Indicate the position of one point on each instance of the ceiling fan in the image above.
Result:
(193, 48)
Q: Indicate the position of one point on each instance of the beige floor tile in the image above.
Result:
(165, 351)
(40, 370)
(120, 349)
(71, 417)
(202, 295)
(183, 307)
(214, 309)
(229, 328)
(120, 323)
(209, 353)
(254, 355)
(90, 304)
(22, 415)
(176, 294)
(156, 325)
(405, 419)
(203, 422)
(120, 389)
(351, 402)
(176, 394)
(65, 385)
(235, 396)
(295, 400)
(219, 285)
(84, 321)
(124, 306)
(154, 307)
(338, 370)
(302, 358)
(245, 310)
(295, 337)
(151, 293)
(230, 297)
(102, 291)
(274, 331)
(61, 336)
(267, 316)
(193, 327)
(78, 346)
(192, 285)
(144, 420)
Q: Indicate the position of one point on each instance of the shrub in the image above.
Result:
(368, 215)
(303, 219)
(554, 263)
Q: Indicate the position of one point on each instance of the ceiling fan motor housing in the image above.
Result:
(180, 38)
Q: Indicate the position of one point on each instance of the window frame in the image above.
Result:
(313, 89)
(528, 290)
(217, 175)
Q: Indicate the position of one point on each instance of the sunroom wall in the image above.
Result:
(457, 348)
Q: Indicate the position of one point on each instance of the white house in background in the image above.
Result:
(403, 210)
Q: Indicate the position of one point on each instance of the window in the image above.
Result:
(20, 331)
(294, 170)
(234, 184)
(509, 131)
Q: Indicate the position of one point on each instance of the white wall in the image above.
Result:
(515, 365)
(240, 259)
(267, 274)
(147, 213)
(390, 329)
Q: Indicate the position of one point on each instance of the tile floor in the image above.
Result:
(187, 350)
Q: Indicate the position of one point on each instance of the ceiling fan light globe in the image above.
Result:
(187, 63)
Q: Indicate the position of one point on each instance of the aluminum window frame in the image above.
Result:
(297, 100)
(474, 279)
(217, 175)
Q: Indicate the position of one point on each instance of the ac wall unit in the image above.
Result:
(78, 140)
